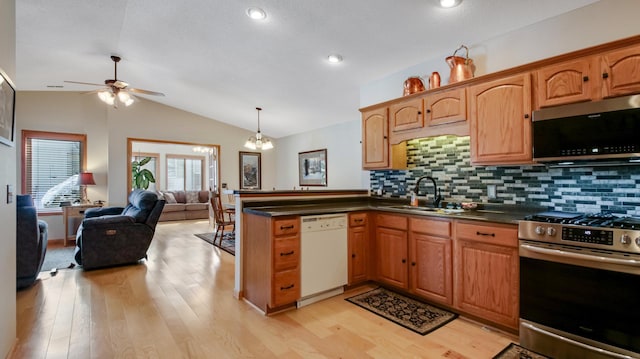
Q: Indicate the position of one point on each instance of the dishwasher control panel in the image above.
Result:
(325, 222)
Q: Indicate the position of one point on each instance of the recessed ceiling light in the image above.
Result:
(334, 58)
(449, 3)
(256, 13)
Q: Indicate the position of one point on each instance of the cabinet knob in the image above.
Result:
(419, 112)
(585, 79)
(353, 255)
(404, 260)
(428, 111)
(526, 115)
(413, 264)
(605, 75)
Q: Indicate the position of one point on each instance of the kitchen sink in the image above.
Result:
(428, 209)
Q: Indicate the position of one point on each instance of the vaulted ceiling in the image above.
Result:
(211, 59)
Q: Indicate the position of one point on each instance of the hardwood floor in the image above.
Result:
(180, 304)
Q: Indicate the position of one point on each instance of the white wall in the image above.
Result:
(598, 23)
(107, 131)
(344, 155)
(7, 177)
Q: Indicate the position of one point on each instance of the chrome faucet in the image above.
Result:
(437, 196)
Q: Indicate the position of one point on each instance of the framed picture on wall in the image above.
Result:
(312, 168)
(7, 110)
(250, 170)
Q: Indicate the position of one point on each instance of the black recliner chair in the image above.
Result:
(31, 241)
(112, 236)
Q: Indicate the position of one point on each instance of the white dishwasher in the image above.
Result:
(323, 252)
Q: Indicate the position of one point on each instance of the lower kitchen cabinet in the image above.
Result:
(486, 272)
(391, 250)
(358, 247)
(271, 261)
(430, 252)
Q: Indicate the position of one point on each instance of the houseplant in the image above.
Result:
(141, 177)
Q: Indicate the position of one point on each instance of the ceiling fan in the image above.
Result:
(116, 88)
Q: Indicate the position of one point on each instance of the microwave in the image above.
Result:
(606, 131)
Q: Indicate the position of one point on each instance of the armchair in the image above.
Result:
(31, 242)
(112, 236)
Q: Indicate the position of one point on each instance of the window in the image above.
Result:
(185, 173)
(50, 168)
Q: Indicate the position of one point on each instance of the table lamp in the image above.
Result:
(85, 179)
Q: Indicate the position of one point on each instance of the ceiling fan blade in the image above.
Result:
(145, 92)
(83, 83)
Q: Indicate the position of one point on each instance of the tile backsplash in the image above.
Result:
(447, 159)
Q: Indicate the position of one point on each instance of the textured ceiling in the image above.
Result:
(211, 59)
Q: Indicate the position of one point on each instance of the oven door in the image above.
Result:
(578, 302)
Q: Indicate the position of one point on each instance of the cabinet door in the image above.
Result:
(375, 144)
(446, 107)
(487, 282)
(501, 121)
(407, 115)
(621, 72)
(391, 250)
(431, 268)
(357, 254)
(568, 82)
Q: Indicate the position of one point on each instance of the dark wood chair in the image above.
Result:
(219, 220)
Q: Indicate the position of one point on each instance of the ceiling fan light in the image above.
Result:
(124, 96)
(256, 13)
(128, 102)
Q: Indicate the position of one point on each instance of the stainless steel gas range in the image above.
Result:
(580, 285)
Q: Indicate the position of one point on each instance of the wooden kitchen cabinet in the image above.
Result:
(486, 274)
(271, 261)
(446, 107)
(568, 82)
(358, 247)
(391, 250)
(377, 152)
(621, 72)
(430, 259)
(500, 120)
(407, 114)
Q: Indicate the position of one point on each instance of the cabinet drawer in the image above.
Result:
(391, 221)
(499, 234)
(286, 226)
(434, 227)
(357, 219)
(286, 287)
(286, 253)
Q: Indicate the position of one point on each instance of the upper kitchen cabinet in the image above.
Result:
(567, 82)
(500, 121)
(407, 114)
(377, 152)
(446, 107)
(621, 72)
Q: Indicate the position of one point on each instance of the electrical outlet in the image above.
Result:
(9, 193)
(491, 191)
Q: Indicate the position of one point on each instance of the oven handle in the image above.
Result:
(561, 253)
(574, 342)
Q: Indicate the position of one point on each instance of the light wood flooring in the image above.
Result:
(180, 304)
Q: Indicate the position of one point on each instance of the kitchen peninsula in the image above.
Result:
(441, 255)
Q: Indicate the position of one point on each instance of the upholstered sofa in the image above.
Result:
(111, 236)
(31, 246)
(181, 205)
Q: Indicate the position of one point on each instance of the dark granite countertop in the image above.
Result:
(509, 214)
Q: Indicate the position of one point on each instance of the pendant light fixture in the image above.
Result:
(258, 142)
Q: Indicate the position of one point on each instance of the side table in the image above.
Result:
(75, 211)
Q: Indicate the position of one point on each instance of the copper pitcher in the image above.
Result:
(462, 68)
(413, 85)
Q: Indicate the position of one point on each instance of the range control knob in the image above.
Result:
(625, 239)
(551, 231)
(638, 241)
(540, 230)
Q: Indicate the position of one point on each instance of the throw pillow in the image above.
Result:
(169, 197)
(192, 197)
